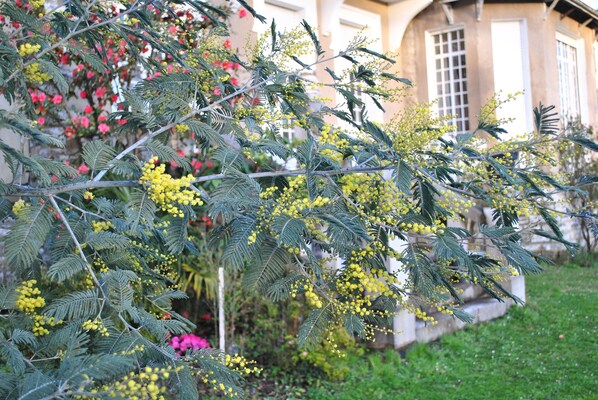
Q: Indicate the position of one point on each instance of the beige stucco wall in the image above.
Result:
(478, 43)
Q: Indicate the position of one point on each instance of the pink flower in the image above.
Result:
(114, 98)
(188, 341)
(67, 163)
(227, 44)
(242, 13)
(34, 97)
(83, 94)
(54, 178)
(122, 121)
(234, 81)
(102, 118)
(83, 169)
(103, 128)
(217, 91)
(88, 109)
(57, 99)
(42, 97)
(85, 122)
(90, 74)
(41, 120)
(100, 92)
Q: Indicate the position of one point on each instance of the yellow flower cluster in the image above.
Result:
(451, 202)
(40, 322)
(166, 191)
(311, 297)
(139, 348)
(291, 202)
(18, 207)
(95, 325)
(27, 49)
(28, 299)
(377, 200)
(241, 365)
(34, 75)
(332, 137)
(88, 196)
(411, 130)
(99, 226)
(150, 383)
(37, 3)
(421, 229)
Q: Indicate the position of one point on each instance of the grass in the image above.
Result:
(546, 350)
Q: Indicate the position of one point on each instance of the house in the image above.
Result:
(459, 53)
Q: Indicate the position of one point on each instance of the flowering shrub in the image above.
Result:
(188, 341)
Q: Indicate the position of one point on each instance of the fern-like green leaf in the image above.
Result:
(66, 268)
(28, 235)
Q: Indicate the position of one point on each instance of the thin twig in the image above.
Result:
(76, 241)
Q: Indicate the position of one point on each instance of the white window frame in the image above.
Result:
(577, 43)
(432, 81)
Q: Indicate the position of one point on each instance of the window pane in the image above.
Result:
(451, 74)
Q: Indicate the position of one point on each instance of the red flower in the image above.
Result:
(83, 94)
(41, 120)
(122, 121)
(102, 118)
(34, 97)
(227, 44)
(114, 98)
(83, 169)
(69, 131)
(88, 109)
(234, 81)
(242, 13)
(64, 59)
(209, 164)
(217, 91)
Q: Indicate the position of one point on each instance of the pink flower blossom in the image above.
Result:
(100, 92)
(227, 44)
(242, 13)
(83, 169)
(217, 91)
(57, 99)
(90, 74)
(41, 120)
(88, 109)
(85, 122)
(122, 121)
(42, 97)
(188, 341)
(34, 97)
(103, 128)
(102, 118)
(234, 81)
(83, 94)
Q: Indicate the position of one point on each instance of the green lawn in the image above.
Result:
(546, 350)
